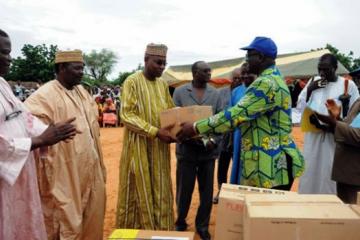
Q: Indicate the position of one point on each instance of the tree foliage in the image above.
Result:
(37, 63)
(348, 60)
(98, 65)
(123, 75)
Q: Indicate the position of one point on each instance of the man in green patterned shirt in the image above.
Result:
(269, 157)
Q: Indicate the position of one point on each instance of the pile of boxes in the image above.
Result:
(250, 213)
(247, 213)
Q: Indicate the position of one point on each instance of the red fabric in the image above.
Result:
(109, 118)
(220, 81)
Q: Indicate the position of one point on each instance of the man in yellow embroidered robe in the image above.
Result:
(145, 190)
(71, 175)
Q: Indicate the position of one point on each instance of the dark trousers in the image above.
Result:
(186, 173)
(288, 186)
(223, 167)
(347, 193)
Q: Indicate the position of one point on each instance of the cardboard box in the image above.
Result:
(229, 216)
(253, 190)
(122, 234)
(356, 208)
(305, 217)
(180, 115)
(230, 210)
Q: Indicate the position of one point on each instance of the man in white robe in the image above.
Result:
(319, 147)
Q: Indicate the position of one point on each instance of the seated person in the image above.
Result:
(109, 113)
(109, 106)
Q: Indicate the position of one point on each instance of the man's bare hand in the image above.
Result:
(187, 131)
(164, 134)
(333, 109)
(321, 83)
(61, 131)
(210, 146)
(329, 120)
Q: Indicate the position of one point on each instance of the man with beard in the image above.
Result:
(268, 155)
(196, 157)
(20, 133)
(145, 191)
(72, 175)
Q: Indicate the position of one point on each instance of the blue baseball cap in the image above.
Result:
(264, 45)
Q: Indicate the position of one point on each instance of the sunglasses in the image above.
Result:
(249, 55)
(12, 115)
(161, 62)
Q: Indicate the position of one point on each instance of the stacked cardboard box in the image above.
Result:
(305, 217)
(230, 211)
(356, 208)
(252, 190)
(248, 213)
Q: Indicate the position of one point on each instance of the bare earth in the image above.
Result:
(112, 139)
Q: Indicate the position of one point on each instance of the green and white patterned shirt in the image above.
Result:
(264, 117)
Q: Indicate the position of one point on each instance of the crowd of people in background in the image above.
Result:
(108, 104)
(23, 92)
(107, 99)
(106, 96)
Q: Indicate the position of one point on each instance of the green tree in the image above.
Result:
(98, 65)
(123, 75)
(356, 64)
(37, 63)
(348, 60)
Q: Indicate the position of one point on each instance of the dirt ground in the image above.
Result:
(112, 145)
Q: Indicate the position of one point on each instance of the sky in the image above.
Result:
(193, 30)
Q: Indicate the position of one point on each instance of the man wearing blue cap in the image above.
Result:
(268, 155)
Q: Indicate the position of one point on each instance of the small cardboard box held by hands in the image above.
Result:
(180, 115)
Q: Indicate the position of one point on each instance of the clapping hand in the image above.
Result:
(333, 109)
(329, 120)
(61, 131)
